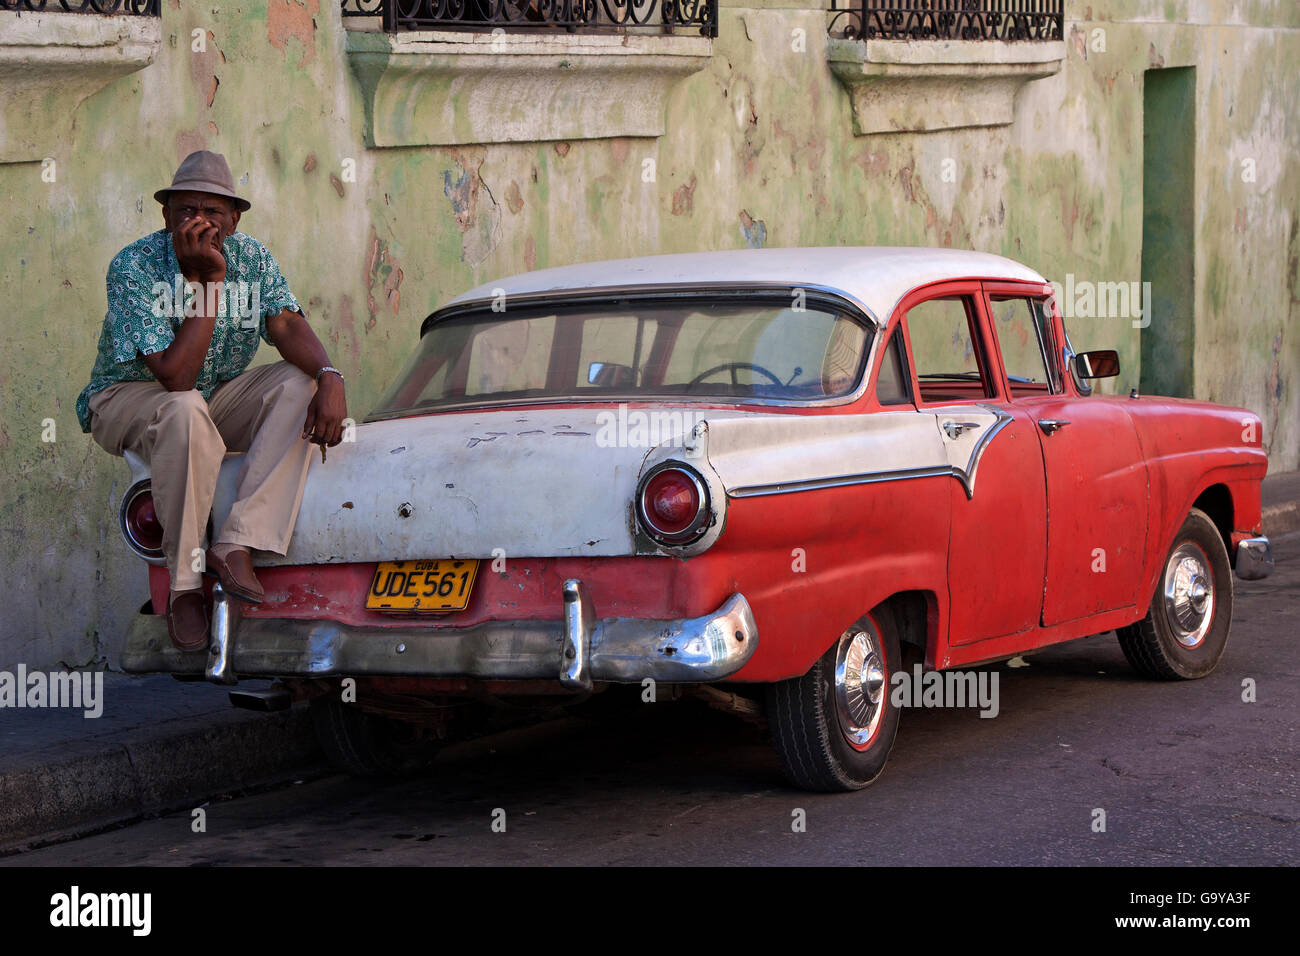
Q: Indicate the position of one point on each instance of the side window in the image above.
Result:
(893, 385)
(1024, 348)
(945, 351)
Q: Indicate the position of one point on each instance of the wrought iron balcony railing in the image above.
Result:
(571, 16)
(948, 19)
(139, 8)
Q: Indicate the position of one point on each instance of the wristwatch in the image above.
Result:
(328, 368)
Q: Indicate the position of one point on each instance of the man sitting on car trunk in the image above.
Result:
(171, 383)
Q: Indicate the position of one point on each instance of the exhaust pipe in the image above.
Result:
(270, 699)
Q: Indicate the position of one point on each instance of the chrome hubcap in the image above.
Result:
(859, 686)
(1189, 595)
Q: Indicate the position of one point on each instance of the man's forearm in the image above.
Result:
(324, 422)
(178, 366)
(297, 343)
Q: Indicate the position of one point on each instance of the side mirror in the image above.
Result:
(1102, 363)
(610, 375)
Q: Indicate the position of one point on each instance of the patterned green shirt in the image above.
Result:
(147, 302)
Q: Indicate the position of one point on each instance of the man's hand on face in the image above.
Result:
(198, 249)
(199, 223)
(325, 414)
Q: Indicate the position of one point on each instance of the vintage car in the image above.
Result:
(783, 471)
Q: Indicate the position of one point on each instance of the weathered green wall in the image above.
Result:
(759, 150)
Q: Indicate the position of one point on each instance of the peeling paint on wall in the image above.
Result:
(1276, 384)
(514, 201)
(383, 279)
(293, 22)
(474, 208)
(684, 198)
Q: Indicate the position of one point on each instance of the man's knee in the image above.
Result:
(185, 412)
(295, 387)
(182, 403)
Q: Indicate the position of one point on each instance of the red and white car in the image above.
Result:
(778, 469)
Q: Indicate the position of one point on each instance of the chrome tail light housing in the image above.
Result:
(672, 504)
(140, 525)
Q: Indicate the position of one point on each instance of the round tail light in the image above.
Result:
(140, 525)
(672, 504)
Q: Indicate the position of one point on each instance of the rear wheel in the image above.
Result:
(834, 727)
(1186, 628)
(369, 745)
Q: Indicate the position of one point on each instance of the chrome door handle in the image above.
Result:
(954, 429)
(1049, 425)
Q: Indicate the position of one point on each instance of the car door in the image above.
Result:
(1094, 466)
(998, 540)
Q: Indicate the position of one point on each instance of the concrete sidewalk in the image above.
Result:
(159, 744)
(162, 744)
(1281, 494)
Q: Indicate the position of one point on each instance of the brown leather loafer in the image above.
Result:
(236, 575)
(187, 621)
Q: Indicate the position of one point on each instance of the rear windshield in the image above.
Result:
(703, 349)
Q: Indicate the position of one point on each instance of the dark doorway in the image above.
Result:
(1168, 229)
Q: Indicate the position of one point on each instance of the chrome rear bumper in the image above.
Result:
(576, 650)
(1254, 559)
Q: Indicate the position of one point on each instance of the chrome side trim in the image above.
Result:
(838, 481)
(1254, 559)
(621, 650)
(966, 476)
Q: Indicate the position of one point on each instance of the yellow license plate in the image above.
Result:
(421, 585)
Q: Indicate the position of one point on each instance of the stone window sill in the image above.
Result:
(51, 62)
(917, 86)
(443, 88)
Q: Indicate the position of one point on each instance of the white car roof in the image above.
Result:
(877, 277)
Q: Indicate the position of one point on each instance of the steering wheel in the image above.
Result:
(733, 366)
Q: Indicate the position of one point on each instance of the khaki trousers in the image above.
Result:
(184, 439)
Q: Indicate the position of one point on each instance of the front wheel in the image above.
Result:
(1186, 628)
(834, 727)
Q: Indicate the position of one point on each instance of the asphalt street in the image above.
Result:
(1185, 773)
